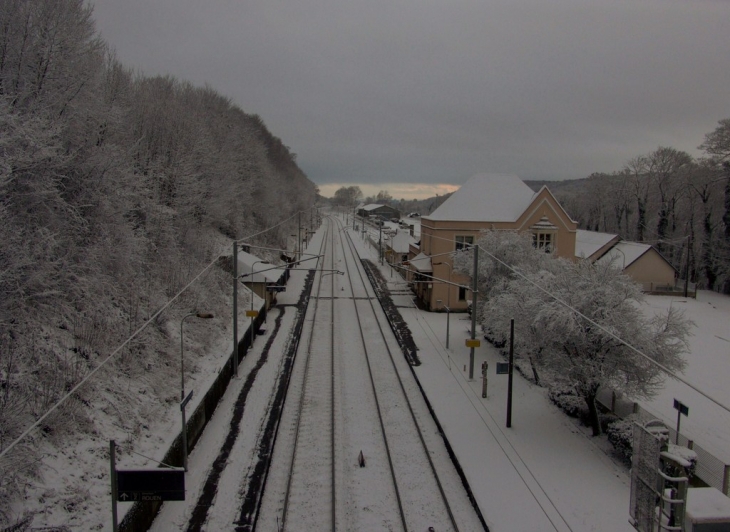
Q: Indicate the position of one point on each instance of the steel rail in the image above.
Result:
(353, 252)
(290, 475)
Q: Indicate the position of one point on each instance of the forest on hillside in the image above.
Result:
(667, 198)
(116, 189)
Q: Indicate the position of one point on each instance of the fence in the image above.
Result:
(141, 514)
(710, 469)
(677, 289)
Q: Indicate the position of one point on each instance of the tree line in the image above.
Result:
(114, 189)
(668, 198)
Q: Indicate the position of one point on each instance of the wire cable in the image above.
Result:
(93, 372)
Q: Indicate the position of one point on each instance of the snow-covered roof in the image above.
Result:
(264, 273)
(486, 198)
(373, 206)
(625, 253)
(400, 242)
(707, 505)
(588, 242)
(422, 263)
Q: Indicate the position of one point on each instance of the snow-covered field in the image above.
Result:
(708, 368)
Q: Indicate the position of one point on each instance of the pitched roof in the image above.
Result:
(625, 253)
(400, 242)
(589, 242)
(486, 198)
(421, 263)
(264, 272)
(373, 206)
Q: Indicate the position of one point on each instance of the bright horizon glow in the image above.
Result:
(407, 191)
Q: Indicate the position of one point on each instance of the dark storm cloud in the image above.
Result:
(435, 91)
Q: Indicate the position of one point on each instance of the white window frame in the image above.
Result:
(463, 242)
(544, 240)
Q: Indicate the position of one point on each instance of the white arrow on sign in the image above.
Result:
(124, 496)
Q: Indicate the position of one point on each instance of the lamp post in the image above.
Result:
(448, 300)
(183, 400)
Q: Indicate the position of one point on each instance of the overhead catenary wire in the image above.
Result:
(611, 334)
(598, 325)
(131, 337)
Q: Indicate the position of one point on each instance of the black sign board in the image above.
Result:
(683, 409)
(151, 485)
(502, 368)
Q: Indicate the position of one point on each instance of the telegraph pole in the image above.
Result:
(380, 242)
(473, 311)
(511, 365)
(235, 308)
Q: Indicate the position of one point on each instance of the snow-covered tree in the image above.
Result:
(570, 318)
(576, 322)
(347, 196)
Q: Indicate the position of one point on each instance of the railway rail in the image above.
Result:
(357, 449)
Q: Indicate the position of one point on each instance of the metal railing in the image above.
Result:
(710, 469)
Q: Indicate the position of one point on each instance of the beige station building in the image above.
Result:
(505, 202)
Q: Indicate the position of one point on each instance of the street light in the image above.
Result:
(183, 400)
(448, 300)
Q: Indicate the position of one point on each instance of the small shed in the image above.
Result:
(643, 264)
(262, 278)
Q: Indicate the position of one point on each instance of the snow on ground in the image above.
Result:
(544, 473)
(708, 368)
(545, 460)
(227, 502)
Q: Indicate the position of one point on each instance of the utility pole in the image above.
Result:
(299, 239)
(473, 310)
(511, 366)
(380, 242)
(235, 308)
(686, 270)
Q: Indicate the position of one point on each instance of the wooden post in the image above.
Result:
(511, 365)
(726, 480)
(113, 465)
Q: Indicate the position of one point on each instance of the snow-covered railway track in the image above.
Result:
(352, 452)
(310, 496)
(418, 500)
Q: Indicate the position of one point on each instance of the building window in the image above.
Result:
(544, 234)
(544, 241)
(462, 293)
(463, 242)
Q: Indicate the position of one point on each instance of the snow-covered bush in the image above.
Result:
(568, 400)
(620, 434)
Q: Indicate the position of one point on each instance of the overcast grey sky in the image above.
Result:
(423, 91)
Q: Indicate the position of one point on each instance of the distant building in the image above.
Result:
(262, 278)
(384, 212)
(640, 261)
(486, 201)
(396, 247)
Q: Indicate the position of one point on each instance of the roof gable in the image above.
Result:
(587, 243)
(625, 253)
(486, 198)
